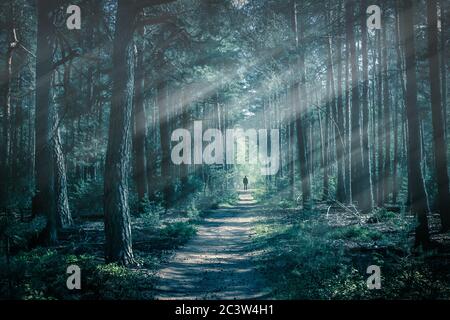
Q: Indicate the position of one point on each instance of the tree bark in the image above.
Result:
(5, 82)
(440, 146)
(366, 179)
(359, 194)
(444, 39)
(417, 195)
(400, 79)
(328, 108)
(380, 131)
(63, 214)
(118, 244)
(44, 201)
(185, 111)
(386, 118)
(140, 120)
(300, 88)
(340, 137)
(165, 142)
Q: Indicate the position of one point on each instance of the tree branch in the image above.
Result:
(167, 18)
(140, 4)
(68, 57)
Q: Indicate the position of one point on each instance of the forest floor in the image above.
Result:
(250, 250)
(218, 262)
(324, 253)
(258, 247)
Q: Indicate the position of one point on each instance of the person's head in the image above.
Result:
(245, 177)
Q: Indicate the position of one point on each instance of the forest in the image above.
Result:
(224, 149)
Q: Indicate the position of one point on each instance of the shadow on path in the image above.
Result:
(216, 263)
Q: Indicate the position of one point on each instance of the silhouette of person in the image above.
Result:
(245, 181)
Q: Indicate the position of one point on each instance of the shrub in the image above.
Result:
(178, 232)
(356, 233)
(41, 274)
(382, 215)
(86, 196)
(150, 212)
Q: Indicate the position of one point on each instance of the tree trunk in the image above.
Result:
(118, 245)
(440, 146)
(444, 39)
(418, 201)
(347, 121)
(380, 131)
(152, 153)
(5, 83)
(340, 137)
(329, 100)
(359, 194)
(386, 119)
(185, 111)
(301, 107)
(400, 79)
(63, 214)
(44, 201)
(165, 142)
(366, 179)
(140, 120)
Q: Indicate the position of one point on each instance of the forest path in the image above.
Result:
(217, 262)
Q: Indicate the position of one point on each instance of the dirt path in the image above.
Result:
(217, 264)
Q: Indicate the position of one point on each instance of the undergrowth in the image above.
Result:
(311, 259)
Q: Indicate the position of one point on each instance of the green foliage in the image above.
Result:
(192, 211)
(228, 197)
(41, 274)
(86, 196)
(308, 259)
(286, 203)
(356, 233)
(177, 233)
(150, 212)
(382, 215)
(22, 234)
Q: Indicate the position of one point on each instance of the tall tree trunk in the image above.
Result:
(396, 156)
(44, 201)
(290, 140)
(329, 105)
(165, 142)
(185, 111)
(444, 62)
(400, 79)
(118, 245)
(359, 195)
(151, 155)
(380, 131)
(440, 146)
(366, 179)
(140, 120)
(5, 82)
(347, 113)
(63, 214)
(340, 137)
(301, 108)
(417, 195)
(386, 118)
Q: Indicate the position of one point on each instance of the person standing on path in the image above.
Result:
(245, 181)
